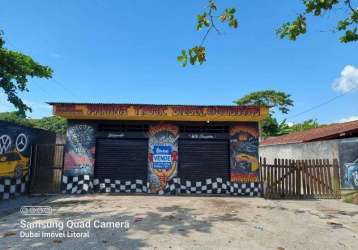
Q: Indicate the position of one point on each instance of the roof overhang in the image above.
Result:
(93, 111)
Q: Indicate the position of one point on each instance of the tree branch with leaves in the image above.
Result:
(207, 20)
(292, 30)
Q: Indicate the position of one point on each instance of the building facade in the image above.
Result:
(161, 148)
(335, 141)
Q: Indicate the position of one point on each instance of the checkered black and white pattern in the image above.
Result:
(252, 189)
(119, 186)
(85, 184)
(211, 186)
(11, 187)
(77, 184)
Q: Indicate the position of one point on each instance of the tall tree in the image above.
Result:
(291, 30)
(269, 98)
(15, 69)
(274, 100)
(55, 124)
(305, 125)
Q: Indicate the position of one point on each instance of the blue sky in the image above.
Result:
(125, 51)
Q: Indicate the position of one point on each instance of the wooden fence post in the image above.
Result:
(298, 178)
(264, 181)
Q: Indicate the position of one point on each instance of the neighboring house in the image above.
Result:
(336, 141)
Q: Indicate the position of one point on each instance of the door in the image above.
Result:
(203, 159)
(121, 159)
(46, 168)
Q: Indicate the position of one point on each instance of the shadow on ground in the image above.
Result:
(152, 221)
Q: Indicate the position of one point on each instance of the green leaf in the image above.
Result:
(342, 25)
(233, 23)
(206, 22)
(294, 29)
(193, 60)
(349, 36)
(183, 58)
(232, 11)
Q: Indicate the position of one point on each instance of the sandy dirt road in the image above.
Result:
(187, 223)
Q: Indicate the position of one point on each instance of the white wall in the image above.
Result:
(309, 150)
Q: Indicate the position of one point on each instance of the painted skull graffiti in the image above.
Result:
(80, 150)
(80, 135)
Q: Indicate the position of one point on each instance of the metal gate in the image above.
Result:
(121, 159)
(46, 168)
(203, 159)
(300, 179)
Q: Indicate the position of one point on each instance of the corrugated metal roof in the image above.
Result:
(333, 131)
(143, 104)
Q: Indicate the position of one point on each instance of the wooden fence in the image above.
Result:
(300, 179)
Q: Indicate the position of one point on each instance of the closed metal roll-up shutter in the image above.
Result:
(121, 159)
(203, 159)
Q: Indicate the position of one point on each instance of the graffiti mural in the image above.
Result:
(162, 155)
(244, 144)
(79, 150)
(14, 154)
(15, 149)
(16, 143)
(348, 156)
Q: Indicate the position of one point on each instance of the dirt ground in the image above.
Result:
(181, 222)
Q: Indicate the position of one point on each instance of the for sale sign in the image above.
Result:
(162, 157)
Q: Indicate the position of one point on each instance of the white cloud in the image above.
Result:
(348, 119)
(347, 81)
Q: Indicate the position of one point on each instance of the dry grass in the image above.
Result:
(351, 197)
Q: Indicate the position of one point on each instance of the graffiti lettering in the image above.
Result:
(111, 135)
(151, 111)
(68, 109)
(189, 111)
(110, 110)
(201, 136)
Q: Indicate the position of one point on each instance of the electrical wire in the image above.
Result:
(322, 104)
